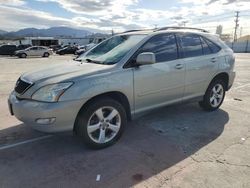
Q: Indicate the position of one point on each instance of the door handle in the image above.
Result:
(213, 60)
(179, 66)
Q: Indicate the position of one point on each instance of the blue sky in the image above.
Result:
(121, 15)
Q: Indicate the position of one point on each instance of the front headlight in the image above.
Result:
(51, 93)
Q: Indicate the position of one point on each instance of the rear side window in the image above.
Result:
(206, 49)
(191, 45)
(163, 46)
(214, 47)
(209, 47)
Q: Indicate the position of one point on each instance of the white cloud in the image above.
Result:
(13, 2)
(124, 14)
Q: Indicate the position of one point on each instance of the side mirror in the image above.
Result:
(145, 58)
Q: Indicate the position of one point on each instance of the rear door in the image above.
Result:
(200, 64)
(163, 82)
(41, 51)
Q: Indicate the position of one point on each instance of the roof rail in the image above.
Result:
(134, 30)
(192, 28)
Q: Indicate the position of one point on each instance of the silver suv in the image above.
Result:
(123, 76)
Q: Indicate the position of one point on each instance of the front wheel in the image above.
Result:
(23, 55)
(46, 54)
(101, 123)
(214, 95)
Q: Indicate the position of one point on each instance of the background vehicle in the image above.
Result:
(80, 50)
(55, 47)
(23, 46)
(7, 49)
(128, 74)
(67, 50)
(34, 51)
(84, 48)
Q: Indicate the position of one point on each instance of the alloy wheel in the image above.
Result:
(104, 124)
(217, 95)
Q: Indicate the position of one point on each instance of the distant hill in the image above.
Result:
(244, 38)
(50, 32)
(3, 32)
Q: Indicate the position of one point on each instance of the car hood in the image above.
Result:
(68, 71)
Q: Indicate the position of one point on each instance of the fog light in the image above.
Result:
(45, 121)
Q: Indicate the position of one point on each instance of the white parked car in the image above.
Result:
(34, 51)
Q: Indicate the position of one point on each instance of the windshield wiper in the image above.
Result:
(76, 59)
(93, 61)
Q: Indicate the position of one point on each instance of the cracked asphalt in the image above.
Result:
(175, 146)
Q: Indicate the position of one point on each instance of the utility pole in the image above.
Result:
(241, 28)
(236, 25)
(184, 23)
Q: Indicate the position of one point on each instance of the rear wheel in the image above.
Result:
(101, 123)
(214, 95)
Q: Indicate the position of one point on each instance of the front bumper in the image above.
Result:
(17, 54)
(29, 111)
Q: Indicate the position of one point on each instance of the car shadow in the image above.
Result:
(149, 145)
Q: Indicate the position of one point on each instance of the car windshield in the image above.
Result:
(112, 50)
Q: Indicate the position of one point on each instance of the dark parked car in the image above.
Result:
(23, 46)
(80, 52)
(7, 49)
(67, 50)
(55, 47)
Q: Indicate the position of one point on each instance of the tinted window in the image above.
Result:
(8, 47)
(214, 47)
(206, 49)
(191, 45)
(41, 48)
(34, 48)
(163, 46)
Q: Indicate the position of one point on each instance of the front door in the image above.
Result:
(163, 82)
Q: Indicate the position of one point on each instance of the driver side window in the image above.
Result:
(163, 46)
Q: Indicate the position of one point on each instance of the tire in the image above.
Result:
(90, 125)
(61, 53)
(214, 95)
(46, 54)
(23, 55)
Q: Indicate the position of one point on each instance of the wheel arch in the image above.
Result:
(223, 76)
(116, 95)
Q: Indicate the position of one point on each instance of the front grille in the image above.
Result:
(22, 86)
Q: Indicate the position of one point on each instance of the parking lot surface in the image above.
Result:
(175, 146)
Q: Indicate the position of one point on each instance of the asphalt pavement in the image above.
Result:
(176, 146)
